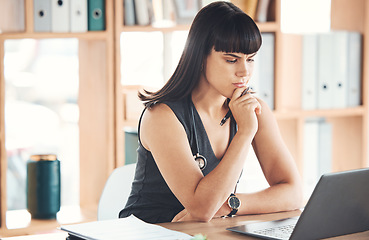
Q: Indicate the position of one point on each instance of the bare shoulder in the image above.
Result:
(158, 121)
(265, 109)
(158, 112)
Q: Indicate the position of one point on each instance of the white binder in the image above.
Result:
(142, 12)
(340, 68)
(325, 81)
(310, 157)
(325, 148)
(254, 80)
(60, 15)
(42, 15)
(354, 69)
(78, 15)
(266, 70)
(309, 71)
(129, 12)
(317, 154)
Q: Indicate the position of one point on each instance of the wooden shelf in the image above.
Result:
(264, 27)
(98, 35)
(323, 113)
(153, 29)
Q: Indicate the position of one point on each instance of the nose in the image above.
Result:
(244, 69)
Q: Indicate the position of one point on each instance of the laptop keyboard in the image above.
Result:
(283, 232)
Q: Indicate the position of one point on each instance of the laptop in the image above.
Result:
(339, 205)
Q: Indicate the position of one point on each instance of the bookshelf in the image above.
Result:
(103, 99)
(349, 125)
(96, 101)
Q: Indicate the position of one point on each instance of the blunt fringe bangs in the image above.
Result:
(237, 34)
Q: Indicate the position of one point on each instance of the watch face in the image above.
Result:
(234, 202)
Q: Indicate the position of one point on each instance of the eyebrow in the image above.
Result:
(236, 56)
(232, 55)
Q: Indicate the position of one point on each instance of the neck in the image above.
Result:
(209, 101)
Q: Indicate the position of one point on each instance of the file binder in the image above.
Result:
(60, 15)
(310, 153)
(325, 148)
(339, 69)
(354, 69)
(317, 152)
(309, 71)
(142, 12)
(254, 81)
(96, 15)
(78, 16)
(325, 81)
(42, 15)
(266, 70)
(129, 12)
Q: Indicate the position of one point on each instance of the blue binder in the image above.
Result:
(96, 15)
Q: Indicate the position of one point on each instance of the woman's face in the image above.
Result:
(226, 71)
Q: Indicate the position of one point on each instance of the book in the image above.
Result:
(142, 12)
(261, 14)
(129, 12)
(12, 17)
(248, 6)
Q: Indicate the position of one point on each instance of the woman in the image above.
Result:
(188, 163)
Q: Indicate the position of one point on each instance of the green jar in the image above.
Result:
(43, 186)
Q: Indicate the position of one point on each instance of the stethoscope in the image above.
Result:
(201, 160)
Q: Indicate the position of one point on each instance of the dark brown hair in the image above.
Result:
(219, 25)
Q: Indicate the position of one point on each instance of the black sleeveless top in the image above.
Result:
(151, 200)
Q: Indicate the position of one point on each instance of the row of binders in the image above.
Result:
(331, 70)
(69, 15)
(160, 12)
(169, 12)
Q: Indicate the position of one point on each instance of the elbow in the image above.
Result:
(296, 199)
(205, 214)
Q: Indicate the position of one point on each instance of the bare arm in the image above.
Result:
(165, 137)
(285, 191)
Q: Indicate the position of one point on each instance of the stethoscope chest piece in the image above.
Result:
(201, 161)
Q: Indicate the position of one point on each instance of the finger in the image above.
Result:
(237, 93)
(251, 102)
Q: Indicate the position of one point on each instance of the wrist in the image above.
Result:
(234, 204)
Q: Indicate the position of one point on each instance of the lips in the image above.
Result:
(239, 84)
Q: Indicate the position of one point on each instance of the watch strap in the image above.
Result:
(234, 210)
(232, 213)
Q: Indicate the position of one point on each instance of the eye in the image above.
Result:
(232, 61)
(251, 60)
